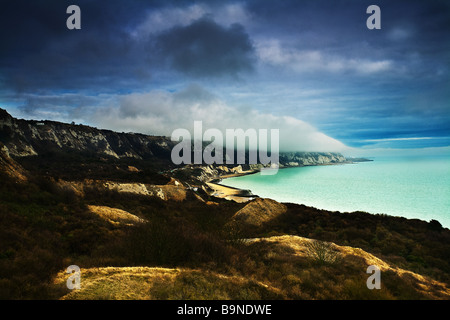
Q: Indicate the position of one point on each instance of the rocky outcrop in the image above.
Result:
(170, 191)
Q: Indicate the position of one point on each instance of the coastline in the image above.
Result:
(231, 193)
(244, 195)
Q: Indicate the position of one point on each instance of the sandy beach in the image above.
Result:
(230, 193)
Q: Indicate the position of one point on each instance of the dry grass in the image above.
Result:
(351, 267)
(116, 283)
(116, 216)
(259, 211)
(145, 283)
(282, 268)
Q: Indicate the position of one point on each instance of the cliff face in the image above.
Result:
(9, 166)
(25, 138)
(310, 158)
(29, 138)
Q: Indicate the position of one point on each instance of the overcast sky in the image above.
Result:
(309, 68)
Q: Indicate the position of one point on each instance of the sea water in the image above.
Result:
(411, 187)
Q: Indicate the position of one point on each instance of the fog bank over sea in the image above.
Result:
(409, 186)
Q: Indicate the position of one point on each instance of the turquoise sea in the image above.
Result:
(411, 187)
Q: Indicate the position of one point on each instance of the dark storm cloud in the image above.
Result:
(206, 49)
(339, 27)
(42, 54)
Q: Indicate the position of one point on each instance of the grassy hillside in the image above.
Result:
(133, 246)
